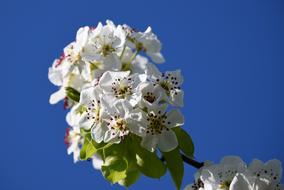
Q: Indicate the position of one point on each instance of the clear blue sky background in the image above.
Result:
(230, 52)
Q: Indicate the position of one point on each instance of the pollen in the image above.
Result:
(118, 126)
(150, 97)
(122, 87)
(93, 111)
(169, 83)
(156, 123)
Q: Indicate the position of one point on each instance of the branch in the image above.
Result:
(189, 161)
(192, 162)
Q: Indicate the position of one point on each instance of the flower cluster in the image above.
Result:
(233, 174)
(124, 114)
(117, 99)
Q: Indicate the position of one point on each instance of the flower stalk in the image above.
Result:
(189, 161)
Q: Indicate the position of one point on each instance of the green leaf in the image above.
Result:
(185, 142)
(132, 174)
(122, 150)
(114, 168)
(175, 165)
(145, 160)
(73, 94)
(88, 149)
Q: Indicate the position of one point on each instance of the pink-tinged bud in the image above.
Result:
(66, 137)
(65, 104)
(59, 61)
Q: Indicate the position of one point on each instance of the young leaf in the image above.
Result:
(73, 94)
(132, 175)
(145, 160)
(88, 149)
(114, 168)
(185, 142)
(175, 166)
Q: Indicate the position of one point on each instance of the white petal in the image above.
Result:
(177, 74)
(233, 160)
(111, 136)
(149, 142)
(273, 168)
(121, 36)
(97, 161)
(89, 94)
(82, 37)
(97, 30)
(208, 174)
(148, 30)
(157, 57)
(98, 133)
(109, 76)
(177, 97)
(55, 76)
(86, 123)
(57, 96)
(167, 141)
(240, 182)
(136, 129)
(174, 118)
(111, 62)
(73, 117)
(110, 23)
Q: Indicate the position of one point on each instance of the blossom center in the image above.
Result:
(225, 185)
(169, 83)
(93, 111)
(156, 123)
(118, 125)
(198, 184)
(149, 97)
(106, 49)
(122, 87)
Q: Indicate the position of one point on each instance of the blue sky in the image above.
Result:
(230, 52)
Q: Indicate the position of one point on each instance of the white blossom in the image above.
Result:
(121, 85)
(74, 79)
(158, 124)
(148, 42)
(150, 95)
(121, 119)
(73, 140)
(233, 174)
(104, 45)
(171, 82)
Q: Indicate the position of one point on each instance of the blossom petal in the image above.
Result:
(55, 76)
(97, 161)
(240, 182)
(174, 118)
(167, 141)
(57, 96)
(86, 122)
(89, 94)
(273, 170)
(121, 36)
(177, 97)
(157, 57)
(149, 142)
(98, 133)
(109, 76)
